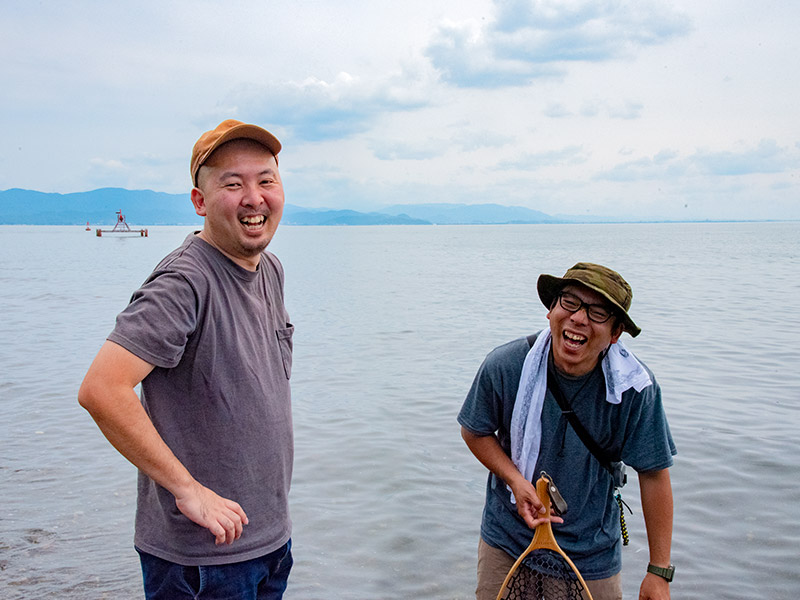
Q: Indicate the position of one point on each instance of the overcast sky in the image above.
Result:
(642, 109)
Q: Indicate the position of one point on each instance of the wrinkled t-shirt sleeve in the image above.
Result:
(158, 321)
(649, 445)
(482, 410)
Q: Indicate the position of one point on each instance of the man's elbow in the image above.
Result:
(470, 437)
(112, 376)
(93, 395)
(87, 396)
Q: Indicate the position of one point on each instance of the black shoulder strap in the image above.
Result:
(552, 384)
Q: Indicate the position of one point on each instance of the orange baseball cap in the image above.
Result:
(226, 131)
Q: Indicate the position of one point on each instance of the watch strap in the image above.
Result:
(665, 572)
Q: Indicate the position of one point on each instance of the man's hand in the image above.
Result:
(654, 588)
(529, 506)
(487, 449)
(224, 518)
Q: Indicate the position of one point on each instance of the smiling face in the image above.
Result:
(577, 340)
(240, 194)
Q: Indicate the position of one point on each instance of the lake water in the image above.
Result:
(391, 325)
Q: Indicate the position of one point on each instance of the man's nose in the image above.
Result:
(581, 315)
(252, 196)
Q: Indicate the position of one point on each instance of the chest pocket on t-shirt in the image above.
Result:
(285, 344)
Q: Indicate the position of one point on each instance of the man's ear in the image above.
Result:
(619, 329)
(552, 306)
(199, 201)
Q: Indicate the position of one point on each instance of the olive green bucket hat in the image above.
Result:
(602, 280)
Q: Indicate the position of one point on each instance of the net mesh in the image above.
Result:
(543, 575)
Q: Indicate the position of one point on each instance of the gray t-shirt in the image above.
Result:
(635, 431)
(221, 342)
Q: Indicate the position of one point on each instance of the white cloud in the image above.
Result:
(465, 56)
(314, 110)
(530, 40)
(601, 106)
(765, 158)
(557, 110)
(394, 150)
(628, 110)
(570, 155)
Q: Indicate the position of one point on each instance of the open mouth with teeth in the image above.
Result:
(574, 340)
(253, 222)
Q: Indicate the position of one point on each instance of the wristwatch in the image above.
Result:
(666, 572)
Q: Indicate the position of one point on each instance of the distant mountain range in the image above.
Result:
(99, 207)
(146, 207)
(295, 215)
(471, 214)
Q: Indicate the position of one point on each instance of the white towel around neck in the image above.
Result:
(621, 370)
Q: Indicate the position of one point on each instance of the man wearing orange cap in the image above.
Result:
(209, 339)
(574, 402)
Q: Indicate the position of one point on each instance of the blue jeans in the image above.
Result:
(262, 578)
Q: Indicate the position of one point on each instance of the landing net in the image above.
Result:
(544, 575)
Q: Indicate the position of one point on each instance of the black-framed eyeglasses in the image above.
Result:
(596, 312)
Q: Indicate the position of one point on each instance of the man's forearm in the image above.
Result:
(489, 452)
(108, 394)
(128, 428)
(656, 492)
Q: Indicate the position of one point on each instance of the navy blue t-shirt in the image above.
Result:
(634, 431)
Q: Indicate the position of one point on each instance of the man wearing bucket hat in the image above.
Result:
(209, 339)
(523, 414)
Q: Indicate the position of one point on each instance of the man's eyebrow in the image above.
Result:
(603, 303)
(229, 174)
